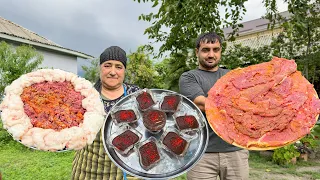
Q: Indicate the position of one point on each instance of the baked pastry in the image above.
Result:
(50, 109)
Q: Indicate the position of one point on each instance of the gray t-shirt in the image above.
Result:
(196, 83)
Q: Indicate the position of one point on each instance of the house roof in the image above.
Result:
(255, 33)
(15, 32)
(255, 25)
(255, 40)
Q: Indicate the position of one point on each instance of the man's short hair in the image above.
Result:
(209, 37)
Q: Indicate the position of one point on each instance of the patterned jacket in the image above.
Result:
(92, 162)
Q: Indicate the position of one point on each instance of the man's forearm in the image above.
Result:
(200, 102)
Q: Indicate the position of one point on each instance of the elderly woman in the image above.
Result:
(92, 161)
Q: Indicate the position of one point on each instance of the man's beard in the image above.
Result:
(207, 65)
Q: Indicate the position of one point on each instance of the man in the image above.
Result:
(220, 159)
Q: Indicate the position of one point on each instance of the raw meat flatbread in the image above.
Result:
(50, 109)
(263, 106)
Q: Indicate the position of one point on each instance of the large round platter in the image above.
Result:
(264, 106)
(48, 138)
(169, 166)
(35, 148)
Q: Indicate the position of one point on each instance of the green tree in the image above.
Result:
(91, 72)
(242, 56)
(179, 22)
(162, 73)
(300, 37)
(186, 19)
(140, 70)
(15, 62)
(170, 69)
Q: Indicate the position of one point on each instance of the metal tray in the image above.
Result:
(169, 166)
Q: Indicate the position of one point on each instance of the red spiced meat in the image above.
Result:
(125, 116)
(154, 120)
(170, 103)
(126, 139)
(187, 122)
(175, 143)
(149, 154)
(145, 100)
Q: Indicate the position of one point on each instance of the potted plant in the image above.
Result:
(308, 145)
(285, 155)
(303, 149)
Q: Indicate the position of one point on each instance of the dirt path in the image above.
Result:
(263, 175)
(309, 169)
(301, 173)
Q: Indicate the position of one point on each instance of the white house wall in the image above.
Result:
(58, 61)
(53, 59)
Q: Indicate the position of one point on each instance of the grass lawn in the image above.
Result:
(19, 162)
(264, 168)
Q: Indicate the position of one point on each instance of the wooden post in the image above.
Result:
(304, 156)
(294, 160)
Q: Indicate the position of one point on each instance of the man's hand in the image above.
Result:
(200, 102)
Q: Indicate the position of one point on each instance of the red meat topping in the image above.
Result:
(53, 105)
(269, 102)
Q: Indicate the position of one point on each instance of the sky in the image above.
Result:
(90, 26)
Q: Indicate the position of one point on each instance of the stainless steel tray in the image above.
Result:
(170, 166)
